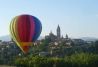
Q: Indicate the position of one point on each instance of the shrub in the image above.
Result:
(75, 60)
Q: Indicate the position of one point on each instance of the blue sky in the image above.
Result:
(77, 18)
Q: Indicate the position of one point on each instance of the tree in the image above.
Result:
(44, 45)
(96, 46)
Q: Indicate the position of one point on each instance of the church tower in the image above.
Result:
(58, 32)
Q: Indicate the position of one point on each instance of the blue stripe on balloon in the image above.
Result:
(38, 28)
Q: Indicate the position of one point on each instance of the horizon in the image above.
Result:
(78, 18)
(8, 38)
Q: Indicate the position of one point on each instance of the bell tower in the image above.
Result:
(58, 32)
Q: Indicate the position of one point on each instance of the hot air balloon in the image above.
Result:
(25, 29)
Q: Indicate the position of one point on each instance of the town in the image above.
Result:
(51, 45)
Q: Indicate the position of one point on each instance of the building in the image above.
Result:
(58, 32)
(57, 40)
(78, 42)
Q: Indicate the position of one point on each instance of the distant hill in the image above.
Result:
(8, 38)
(5, 38)
(89, 38)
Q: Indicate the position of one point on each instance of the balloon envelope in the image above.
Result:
(25, 29)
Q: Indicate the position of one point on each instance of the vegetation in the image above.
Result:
(75, 60)
(76, 56)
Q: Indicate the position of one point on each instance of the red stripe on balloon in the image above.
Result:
(26, 28)
(32, 29)
(21, 28)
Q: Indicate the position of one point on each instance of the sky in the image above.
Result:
(77, 18)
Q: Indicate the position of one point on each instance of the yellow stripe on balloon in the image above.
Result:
(12, 30)
(16, 34)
